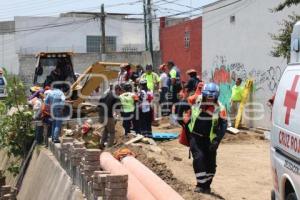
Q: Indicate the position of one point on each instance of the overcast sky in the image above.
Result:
(11, 8)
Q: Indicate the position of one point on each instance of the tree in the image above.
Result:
(16, 131)
(286, 3)
(283, 38)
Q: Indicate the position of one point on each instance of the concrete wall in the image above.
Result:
(67, 34)
(82, 61)
(8, 55)
(46, 179)
(242, 48)
(172, 44)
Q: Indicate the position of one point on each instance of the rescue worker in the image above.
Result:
(192, 83)
(206, 129)
(128, 100)
(236, 98)
(125, 73)
(151, 78)
(136, 75)
(111, 102)
(175, 87)
(145, 111)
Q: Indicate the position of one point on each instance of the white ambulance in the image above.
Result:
(285, 132)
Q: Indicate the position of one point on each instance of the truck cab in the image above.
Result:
(285, 131)
(51, 67)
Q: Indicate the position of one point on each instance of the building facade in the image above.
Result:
(237, 43)
(77, 32)
(182, 43)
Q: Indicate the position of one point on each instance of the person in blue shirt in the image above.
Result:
(56, 100)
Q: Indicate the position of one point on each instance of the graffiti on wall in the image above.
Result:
(225, 74)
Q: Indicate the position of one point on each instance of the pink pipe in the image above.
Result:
(136, 191)
(159, 189)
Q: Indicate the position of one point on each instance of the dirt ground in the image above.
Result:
(243, 171)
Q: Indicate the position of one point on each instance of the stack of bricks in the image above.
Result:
(90, 163)
(66, 145)
(77, 152)
(99, 183)
(116, 187)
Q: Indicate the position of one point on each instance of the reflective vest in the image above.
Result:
(127, 101)
(219, 112)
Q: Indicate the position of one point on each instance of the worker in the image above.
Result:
(109, 102)
(125, 73)
(164, 90)
(192, 83)
(206, 129)
(194, 98)
(151, 78)
(236, 98)
(128, 101)
(175, 85)
(55, 100)
(136, 75)
(145, 111)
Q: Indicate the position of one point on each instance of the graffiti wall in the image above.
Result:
(225, 73)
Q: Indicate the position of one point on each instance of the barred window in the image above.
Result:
(187, 39)
(93, 44)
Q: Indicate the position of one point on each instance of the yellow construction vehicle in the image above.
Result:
(97, 74)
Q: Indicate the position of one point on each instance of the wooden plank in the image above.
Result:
(136, 139)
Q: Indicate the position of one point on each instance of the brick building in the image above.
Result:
(182, 43)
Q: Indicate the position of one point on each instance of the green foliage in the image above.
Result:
(16, 132)
(283, 38)
(286, 3)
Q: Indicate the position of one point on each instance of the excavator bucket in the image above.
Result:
(92, 78)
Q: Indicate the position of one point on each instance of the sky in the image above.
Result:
(11, 8)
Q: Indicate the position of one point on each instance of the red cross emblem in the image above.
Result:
(290, 100)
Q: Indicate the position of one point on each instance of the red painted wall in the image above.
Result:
(172, 45)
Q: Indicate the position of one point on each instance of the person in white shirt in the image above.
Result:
(164, 89)
(145, 111)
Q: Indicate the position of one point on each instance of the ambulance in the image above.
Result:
(285, 131)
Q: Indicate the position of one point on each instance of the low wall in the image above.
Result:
(46, 179)
(83, 60)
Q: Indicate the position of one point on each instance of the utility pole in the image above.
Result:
(145, 25)
(102, 18)
(150, 27)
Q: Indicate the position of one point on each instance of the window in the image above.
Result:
(187, 39)
(232, 19)
(93, 44)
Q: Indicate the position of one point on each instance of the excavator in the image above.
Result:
(58, 66)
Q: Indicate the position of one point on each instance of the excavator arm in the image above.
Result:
(91, 78)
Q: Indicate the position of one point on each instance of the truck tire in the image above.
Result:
(291, 196)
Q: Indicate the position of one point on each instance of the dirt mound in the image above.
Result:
(246, 136)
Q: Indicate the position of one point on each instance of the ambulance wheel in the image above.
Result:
(291, 196)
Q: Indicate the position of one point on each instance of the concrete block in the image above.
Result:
(92, 152)
(102, 178)
(66, 140)
(93, 163)
(115, 192)
(91, 168)
(121, 185)
(92, 158)
(117, 178)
